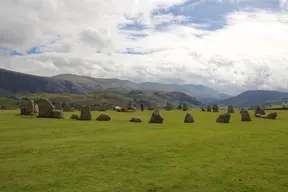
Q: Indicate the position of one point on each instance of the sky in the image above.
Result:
(228, 45)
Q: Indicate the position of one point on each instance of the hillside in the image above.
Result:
(111, 97)
(198, 91)
(255, 97)
(19, 83)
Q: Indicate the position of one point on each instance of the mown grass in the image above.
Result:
(118, 156)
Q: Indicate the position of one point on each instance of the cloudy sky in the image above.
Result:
(227, 45)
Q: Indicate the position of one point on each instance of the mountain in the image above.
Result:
(256, 97)
(19, 83)
(198, 91)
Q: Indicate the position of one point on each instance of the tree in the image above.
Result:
(185, 106)
(169, 106)
(180, 107)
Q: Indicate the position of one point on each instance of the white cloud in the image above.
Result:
(249, 52)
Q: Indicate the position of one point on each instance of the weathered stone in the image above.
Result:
(156, 117)
(45, 107)
(117, 108)
(57, 114)
(74, 117)
(136, 120)
(85, 113)
(188, 118)
(72, 109)
(231, 109)
(103, 117)
(27, 107)
(261, 116)
(259, 112)
(225, 118)
(272, 115)
(123, 110)
(245, 116)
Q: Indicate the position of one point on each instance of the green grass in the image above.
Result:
(40, 155)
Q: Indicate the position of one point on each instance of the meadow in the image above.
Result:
(64, 155)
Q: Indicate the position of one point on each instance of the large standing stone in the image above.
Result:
(215, 108)
(245, 116)
(85, 113)
(103, 117)
(27, 107)
(188, 118)
(156, 117)
(46, 109)
(223, 118)
(135, 120)
(230, 109)
(272, 115)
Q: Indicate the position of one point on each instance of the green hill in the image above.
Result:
(111, 97)
(14, 83)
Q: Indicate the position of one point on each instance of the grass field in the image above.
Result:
(41, 155)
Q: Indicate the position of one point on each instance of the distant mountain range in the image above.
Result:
(254, 97)
(19, 83)
(14, 83)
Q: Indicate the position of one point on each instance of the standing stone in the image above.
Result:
(85, 113)
(215, 108)
(72, 109)
(156, 117)
(188, 118)
(134, 109)
(30, 107)
(231, 109)
(245, 116)
(142, 106)
(45, 107)
(272, 115)
(223, 118)
(57, 114)
(135, 120)
(103, 117)
(209, 108)
(117, 108)
(259, 112)
(27, 107)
